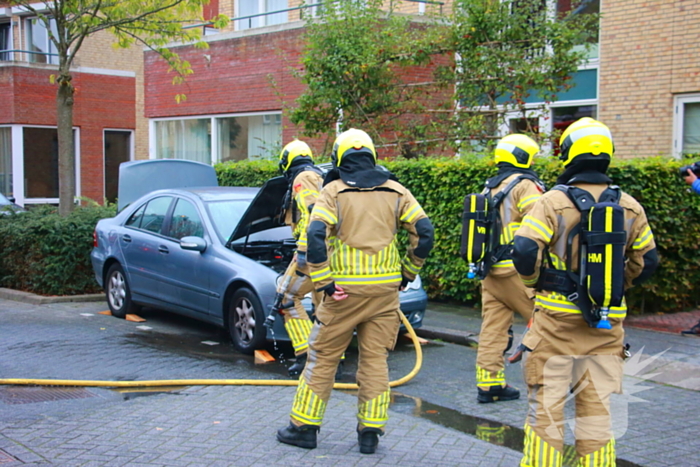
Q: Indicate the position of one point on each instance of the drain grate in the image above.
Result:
(5, 457)
(30, 395)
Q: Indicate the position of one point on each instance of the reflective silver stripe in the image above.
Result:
(588, 131)
(368, 279)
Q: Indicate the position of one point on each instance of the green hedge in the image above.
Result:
(440, 186)
(47, 254)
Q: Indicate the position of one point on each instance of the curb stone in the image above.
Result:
(34, 299)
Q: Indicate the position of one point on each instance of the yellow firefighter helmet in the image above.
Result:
(517, 150)
(586, 138)
(292, 150)
(350, 142)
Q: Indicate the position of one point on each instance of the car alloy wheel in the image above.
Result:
(245, 321)
(118, 292)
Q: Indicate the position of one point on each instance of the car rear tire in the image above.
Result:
(118, 292)
(245, 321)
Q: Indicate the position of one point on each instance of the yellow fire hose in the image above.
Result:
(216, 382)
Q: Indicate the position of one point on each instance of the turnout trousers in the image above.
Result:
(296, 320)
(503, 293)
(570, 360)
(376, 319)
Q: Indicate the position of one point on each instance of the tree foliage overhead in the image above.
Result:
(502, 54)
(355, 58)
(508, 51)
(150, 23)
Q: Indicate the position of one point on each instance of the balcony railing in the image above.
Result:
(17, 55)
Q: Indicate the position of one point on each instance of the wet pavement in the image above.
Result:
(435, 419)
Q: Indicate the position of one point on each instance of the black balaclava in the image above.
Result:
(298, 164)
(505, 170)
(586, 169)
(359, 170)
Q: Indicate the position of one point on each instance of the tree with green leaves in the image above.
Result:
(356, 58)
(150, 23)
(507, 51)
(501, 52)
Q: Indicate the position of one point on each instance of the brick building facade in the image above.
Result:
(109, 125)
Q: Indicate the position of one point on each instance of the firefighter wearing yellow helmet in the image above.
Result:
(575, 344)
(512, 192)
(355, 262)
(305, 181)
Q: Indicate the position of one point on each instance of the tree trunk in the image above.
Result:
(66, 152)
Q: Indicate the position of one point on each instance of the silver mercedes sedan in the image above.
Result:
(211, 253)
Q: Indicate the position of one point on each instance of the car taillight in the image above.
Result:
(94, 239)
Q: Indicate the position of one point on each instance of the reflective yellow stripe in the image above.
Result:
(538, 227)
(558, 302)
(603, 457)
(406, 262)
(527, 201)
(321, 274)
(488, 378)
(537, 452)
(308, 408)
(367, 279)
(375, 412)
(608, 258)
(346, 260)
(325, 214)
(506, 263)
(411, 213)
(643, 239)
(472, 232)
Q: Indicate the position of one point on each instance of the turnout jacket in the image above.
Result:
(548, 225)
(352, 237)
(512, 209)
(305, 188)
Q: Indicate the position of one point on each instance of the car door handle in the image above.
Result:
(163, 249)
(126, 238)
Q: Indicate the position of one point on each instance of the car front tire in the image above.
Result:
(118, 292)
(245, 321)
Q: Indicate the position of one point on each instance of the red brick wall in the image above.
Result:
(101, 101)
(234, 76)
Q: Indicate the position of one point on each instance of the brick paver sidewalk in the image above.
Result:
(667, 322)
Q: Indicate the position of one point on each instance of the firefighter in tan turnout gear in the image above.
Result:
(358, 214)
(514, 189)
(582, 245)
(305, 181)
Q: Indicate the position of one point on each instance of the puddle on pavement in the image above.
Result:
(486, 430)
(133, 393)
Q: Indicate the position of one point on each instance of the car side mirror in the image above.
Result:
(193, 244)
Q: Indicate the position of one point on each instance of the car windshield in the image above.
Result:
(3, 200)
(226, 214)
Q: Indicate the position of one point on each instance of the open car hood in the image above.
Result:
(265, 211)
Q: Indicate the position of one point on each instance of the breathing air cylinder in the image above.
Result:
(475, 230)
(604, 262)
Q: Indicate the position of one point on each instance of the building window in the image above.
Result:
(117, 149)
(562, 117)
(234, 138)
(188, 139)
(38, 41)
(686, 125)
(41, 154)
(583, 7)
(251, 12)
(5, 40)
(6, 161)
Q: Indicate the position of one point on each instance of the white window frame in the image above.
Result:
(262, 8)
(679, 102)
(18, 165)
(132, 152)
(11, 45)
(153, 150)
(50, 59)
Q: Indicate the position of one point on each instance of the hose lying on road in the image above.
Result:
(217, 382)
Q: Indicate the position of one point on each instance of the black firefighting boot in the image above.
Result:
(298, 366)
(368, 439)
(302, 436)
(498, 393)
